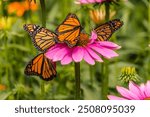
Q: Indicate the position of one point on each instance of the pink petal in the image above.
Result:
(147, 89)
(135, 89)
(81, 2)
(88, 1)
(77, 53)
(109, 44)
(93, 35)
(67, 59)
(142, 88)
(93, 54)
(107, 53)
(88, 58)
(127, 94)
(56, 46)
(51, 52)
(111, 97)
(99, 0)
(60, 54)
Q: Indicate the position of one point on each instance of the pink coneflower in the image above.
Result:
(90, 1)
(97, 1)
(86, 49)
(134, 92)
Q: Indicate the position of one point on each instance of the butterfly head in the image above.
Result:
(116, 24)
(31, 28)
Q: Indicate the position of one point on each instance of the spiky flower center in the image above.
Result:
(83, 39)
(129, 74)
(148, 98)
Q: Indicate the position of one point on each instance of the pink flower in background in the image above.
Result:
(90, 51)
(134, 92)
(96, 1)
(90, 1)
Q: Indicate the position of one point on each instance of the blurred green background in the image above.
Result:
(16, 48)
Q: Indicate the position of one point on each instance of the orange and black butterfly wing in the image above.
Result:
(41, 66)
(105, 31)
(42, 38)
(69, 30)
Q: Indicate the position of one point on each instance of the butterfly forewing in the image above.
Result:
(105, 30)
(41, 37)
(69, 30)
(41, 66)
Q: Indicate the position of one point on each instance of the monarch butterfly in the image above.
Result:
(105, 30)
(69, 30)
(41, 66)
(42, 38)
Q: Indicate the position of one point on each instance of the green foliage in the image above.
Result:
(16, 50)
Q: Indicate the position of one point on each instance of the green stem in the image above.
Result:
(149, 33)
(105, 80)
(42, 88)
(77, 80)
(91, 75)
(2, 7)
(43, 9)
(149, 18)
(7, 67)
(107, 7)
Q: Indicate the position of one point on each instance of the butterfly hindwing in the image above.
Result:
(41, 66)
(105, 30)
(41, 37)
(69, 30)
